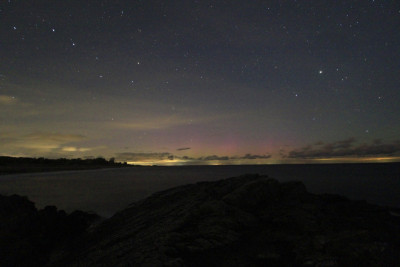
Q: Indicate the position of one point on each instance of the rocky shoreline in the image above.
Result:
(249, 220)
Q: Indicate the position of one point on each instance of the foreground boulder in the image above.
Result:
(244, 221)
(28, 236)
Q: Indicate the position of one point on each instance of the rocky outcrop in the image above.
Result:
(28, 236)
(244, 221)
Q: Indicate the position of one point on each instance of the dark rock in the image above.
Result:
(244, 221)
(29, 236)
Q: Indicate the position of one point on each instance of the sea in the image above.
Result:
(106, 191)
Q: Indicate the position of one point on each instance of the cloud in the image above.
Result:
(187, 158)
(345, 148)
(250, 156)
(41, 143)
(54, 137)
(158, 122)
(183, 148)
(151, 124)
(142, 156)
(7, 100)
(247, 156)
(214, 157)
(75, 149)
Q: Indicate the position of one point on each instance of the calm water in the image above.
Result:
(110, 190)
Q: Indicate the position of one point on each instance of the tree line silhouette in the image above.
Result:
(25, 164)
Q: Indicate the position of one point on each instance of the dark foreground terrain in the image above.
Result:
(28, 236)
(244, 221)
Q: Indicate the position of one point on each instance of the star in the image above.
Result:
(214, 76)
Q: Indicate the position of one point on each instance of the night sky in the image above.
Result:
(201, 82)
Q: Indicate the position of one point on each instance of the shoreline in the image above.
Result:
(14, 165)
(37, 170)
(34, 169)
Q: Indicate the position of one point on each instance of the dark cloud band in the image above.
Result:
(345, 148)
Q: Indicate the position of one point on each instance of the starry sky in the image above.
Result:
(201, 82)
